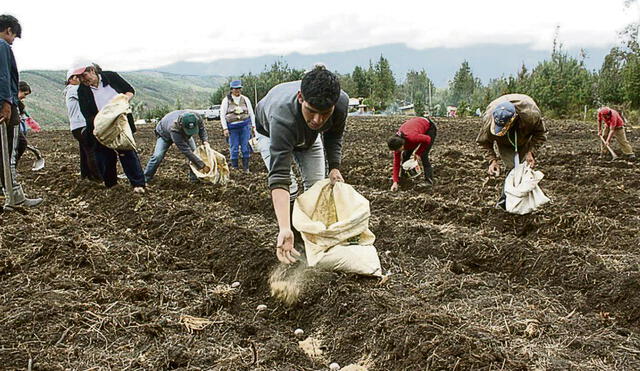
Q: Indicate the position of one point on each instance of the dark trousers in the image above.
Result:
(426, 164)
(22, 146)
(106, 161)
(88, 167)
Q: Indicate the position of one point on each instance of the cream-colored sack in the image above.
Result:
(334, 224)
(217, 163)
(522, 190)
(111, 126)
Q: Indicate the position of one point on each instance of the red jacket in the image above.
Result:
(615, 121)
(414, 133)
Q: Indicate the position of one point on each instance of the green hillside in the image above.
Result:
(46, 104)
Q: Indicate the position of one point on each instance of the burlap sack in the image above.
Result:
(217, 163)
(523, 194)
(334, 224)
(111, 126)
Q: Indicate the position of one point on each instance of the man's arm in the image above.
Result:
(424, 141)
(224, 106)
(485, 141)
(184, 147)
(5, 82)
(116, 79)
(252, 115)
(202, 132)
(538, 136)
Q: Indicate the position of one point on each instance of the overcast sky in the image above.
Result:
(127, 35)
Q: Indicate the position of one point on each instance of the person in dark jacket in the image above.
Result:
(10, 29)
(98, 88)
(178, 127)
(416, 134)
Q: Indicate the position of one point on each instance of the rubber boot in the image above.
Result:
(234, 163)
(245, 164)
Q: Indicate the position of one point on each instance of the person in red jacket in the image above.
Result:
(614, 126)
(415, 136)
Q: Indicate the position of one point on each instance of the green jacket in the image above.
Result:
(531, 132)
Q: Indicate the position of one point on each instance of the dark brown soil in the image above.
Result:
(100, 279)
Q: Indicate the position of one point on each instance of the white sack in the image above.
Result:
(334, 224)
(111, 126)
(522, 190)
(217, 163)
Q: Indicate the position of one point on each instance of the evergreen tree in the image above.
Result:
(463, 85)
(362, 83)
(610, 78)
(384, 84)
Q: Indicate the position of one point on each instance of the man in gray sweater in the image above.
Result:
(288, 121)
(177, 127)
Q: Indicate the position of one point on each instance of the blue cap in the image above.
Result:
(235, 84)
(503, 114)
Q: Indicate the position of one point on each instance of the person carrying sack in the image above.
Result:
(514, 123)
(238, 124)
(98, 88)
(178, 127)
(415, 136)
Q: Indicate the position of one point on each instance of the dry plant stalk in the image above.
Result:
(194, 323)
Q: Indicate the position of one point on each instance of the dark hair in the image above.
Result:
(395, 142)
(24, 87)
(9, 21)
(320, 88)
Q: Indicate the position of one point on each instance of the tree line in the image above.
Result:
(561, 85)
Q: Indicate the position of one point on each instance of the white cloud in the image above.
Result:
(141, 34)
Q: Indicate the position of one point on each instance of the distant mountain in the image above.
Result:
(47, 106)
(487, 61)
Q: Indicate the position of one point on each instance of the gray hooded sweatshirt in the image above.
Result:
(279, 117)
(170, 131)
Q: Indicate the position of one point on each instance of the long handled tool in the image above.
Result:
(613, 154)
(6, 164)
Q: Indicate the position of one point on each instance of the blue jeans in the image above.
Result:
(162, 146)
(239, 135)
(310, 162)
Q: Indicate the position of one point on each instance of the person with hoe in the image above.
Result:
(238, 123)
(514, 123)
(300, 121)
(178, 127)
(415, 137)
(98, 88)
(26, 123)
(10, 29)
(614, 126)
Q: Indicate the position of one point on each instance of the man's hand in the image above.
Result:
(284, 247)
(206, 169)
(6, 112)
(530, 159)
(494, 168)
(226, 132)
(129, 95)
(205, 143)
(416, 157)
(394, 187)
(335, 176)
